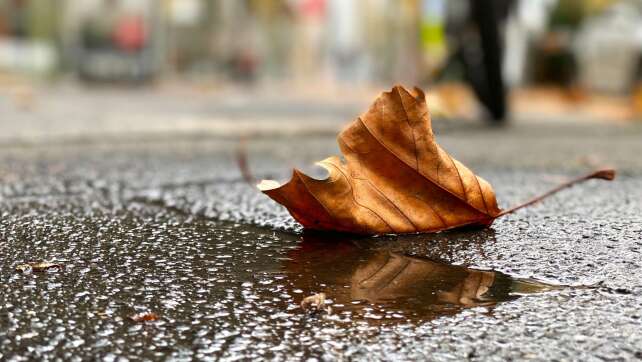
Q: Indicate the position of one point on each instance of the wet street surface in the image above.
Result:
(172, 229)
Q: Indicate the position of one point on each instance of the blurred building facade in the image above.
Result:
(241, 39)
(309, 40)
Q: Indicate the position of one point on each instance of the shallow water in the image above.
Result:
(378, 280)
(220, 289)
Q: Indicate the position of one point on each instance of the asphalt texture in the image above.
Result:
(172, 228)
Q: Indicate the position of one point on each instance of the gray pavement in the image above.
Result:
(64, 112)
(167, 225)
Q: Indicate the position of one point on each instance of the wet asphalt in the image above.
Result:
(169, 227)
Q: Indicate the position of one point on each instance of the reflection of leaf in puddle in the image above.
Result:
(357, 270)
(388, 276)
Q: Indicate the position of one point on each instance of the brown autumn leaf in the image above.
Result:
(395, 179)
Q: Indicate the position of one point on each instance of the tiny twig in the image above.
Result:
(606, 174)
(242, 162)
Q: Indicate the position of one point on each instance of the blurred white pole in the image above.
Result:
(526, 23)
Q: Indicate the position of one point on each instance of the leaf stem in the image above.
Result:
(604, 174)
(242, 162)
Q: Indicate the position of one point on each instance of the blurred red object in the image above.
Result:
(312, 9)
(129, 33)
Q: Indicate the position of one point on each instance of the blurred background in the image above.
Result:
(83, 68)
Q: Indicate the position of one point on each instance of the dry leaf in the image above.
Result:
(144, 317)
(316, 303)
(396, 178)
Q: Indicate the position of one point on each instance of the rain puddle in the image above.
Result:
(148, 281)
(373, 279)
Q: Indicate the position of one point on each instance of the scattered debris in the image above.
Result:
(39, 267)
(104, 314)
(316, 303)
(144, 317)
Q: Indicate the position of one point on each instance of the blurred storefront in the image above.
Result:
(111, 40)
(567, 42)
(29, 36)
